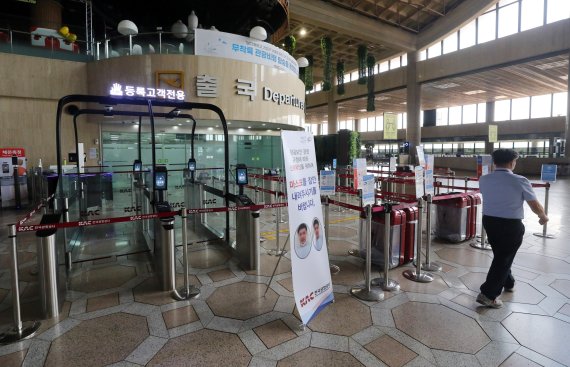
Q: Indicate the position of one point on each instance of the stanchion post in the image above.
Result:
(428, 265)
(417, 275)
(187, 292)
(277, 251)
(20, 330)
(385, 282)
(335, 269)
(466, 183)
(68, 261)
(366, 293)
(544, 226)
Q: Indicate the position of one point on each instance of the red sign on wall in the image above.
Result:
(11, 152)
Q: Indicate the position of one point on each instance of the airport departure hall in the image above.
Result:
(284, 183)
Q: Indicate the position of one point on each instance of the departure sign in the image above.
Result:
(120, 90)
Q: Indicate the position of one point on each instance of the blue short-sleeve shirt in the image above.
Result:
(504, 194)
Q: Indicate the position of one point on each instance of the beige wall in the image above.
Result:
(140, 71)
(30, 89)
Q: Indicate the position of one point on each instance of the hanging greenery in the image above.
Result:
(362, 52)
(354, 148)
(302, 72)
(290, 44)
(370, 63)
(340, 77)
(326, 49)
(309, 74)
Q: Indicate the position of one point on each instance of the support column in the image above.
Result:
(332, 114)
(357, 123)
(413, 106)
(489, 118)
(567, 132)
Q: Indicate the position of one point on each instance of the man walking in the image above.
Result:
(504, 194)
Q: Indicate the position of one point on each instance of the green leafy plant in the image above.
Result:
(309, 74)
(326, 49)
(290, 44)
(362, 53)
(370, 63)
(340, 77)
(354, 149)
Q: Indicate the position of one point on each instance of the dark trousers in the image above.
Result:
(505, 236)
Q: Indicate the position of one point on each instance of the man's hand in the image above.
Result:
(543, 219)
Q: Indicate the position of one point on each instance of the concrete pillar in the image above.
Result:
(567, 132)
(332, 114)
(551, 143)
(47, 14)
(357, 123)
(413, 106)
(489, 118)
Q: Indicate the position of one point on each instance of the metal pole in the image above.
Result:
(544, 226)
(277, 265)
(428, 265)
(384, 281)
(335, 269)
(366, 293)
(20, 330)
(187, 292)
(277, 251)
(68, 261)
(417, 275)
(466, 183)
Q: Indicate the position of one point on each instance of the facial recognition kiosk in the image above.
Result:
(247, 224)
(191, 169)
(164, 249)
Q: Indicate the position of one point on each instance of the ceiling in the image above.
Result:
(532, 78)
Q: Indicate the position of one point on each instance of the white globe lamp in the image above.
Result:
(192, 21)
(179, 29)
(259, 33)
(302, 62)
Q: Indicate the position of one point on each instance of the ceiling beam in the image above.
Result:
(344, 21)
(452, 21)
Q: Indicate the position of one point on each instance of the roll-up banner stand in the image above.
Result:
(359, 170)
(419, 176)
(429, 180)
(312, 285)
(328, 182)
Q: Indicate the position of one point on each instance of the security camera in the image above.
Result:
(108, 108)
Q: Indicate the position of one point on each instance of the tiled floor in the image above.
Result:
(116, 315)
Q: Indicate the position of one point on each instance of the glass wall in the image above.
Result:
(547, 105)
(458, 115)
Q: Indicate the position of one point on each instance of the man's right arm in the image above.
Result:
(537, 209)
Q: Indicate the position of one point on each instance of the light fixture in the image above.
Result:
(302, 32)
(268, 130)
(179, 29)
(127, 28)
(181, 124)
(192, 21)
(240, 130)
(263, 124)
(249, 127)
(258, 32)
(213, 28)
(472, 92)
(445, 85)
(302, 62)
(210, 128)
(175, 127)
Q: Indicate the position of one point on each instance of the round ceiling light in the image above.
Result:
(259, 33)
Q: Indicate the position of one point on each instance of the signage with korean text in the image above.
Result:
(328, 182)
(233, 46)
(493, 134)
(484, 164)
(120, 90)
(548, 173)
(359, 170)
(390, 126)
(421, 156)
(368, 190)
(429, 180)
(419, 176)
(312, 285)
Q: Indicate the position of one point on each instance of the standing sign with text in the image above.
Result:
(393, 163)
(419, 176)
(359, 170)
(548, 173)
(368, 187)
(484, 164)
(421, 156)
(312, 285)
(327, 183)
(429, 181)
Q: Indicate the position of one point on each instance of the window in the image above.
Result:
(384, 66)
(434, 50)
(486, 25)
(395, 63)
(455, 115)
(354, 75)
(520, 109)
(540, 106)
(559, 104)
(470, 114)
(372, 124)
(362, 125)
(481, 112)
(503, 110)
(347, 78)
(450, 43)
(467, 35)
(324, 129)
(379, 122)
(318, 87)
(404, 59)
(557, 10)
(532, 14)
(508, 20)
(441, 117)
(402, 120)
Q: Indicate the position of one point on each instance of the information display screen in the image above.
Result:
(137, 166)
(192, 165)
(241, 176)
(160, 180)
